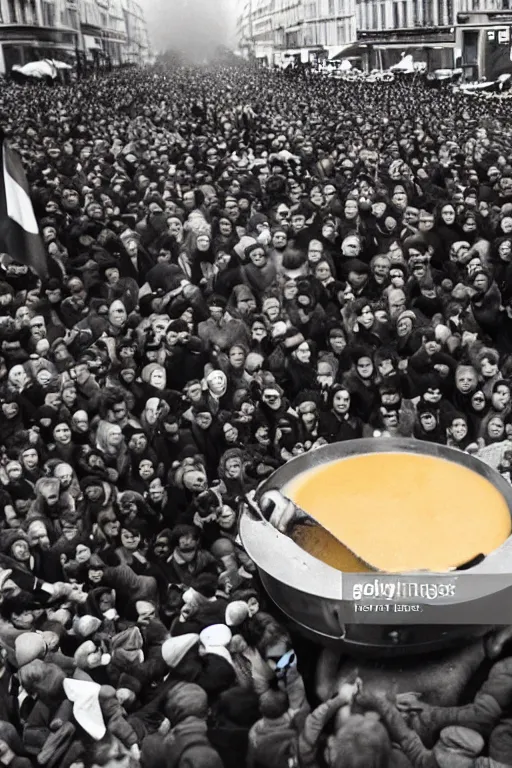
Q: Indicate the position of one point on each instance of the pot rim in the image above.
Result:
(301, 571)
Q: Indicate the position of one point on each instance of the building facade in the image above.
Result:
(65, 30)
(473, 34)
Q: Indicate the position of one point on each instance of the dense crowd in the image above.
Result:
(243, 266)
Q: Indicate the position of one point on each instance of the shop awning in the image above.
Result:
(411, 46)
(92, 43)
(347, 51)
(292, 52)
(334, 50)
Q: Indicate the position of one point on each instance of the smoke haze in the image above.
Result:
(195, 27)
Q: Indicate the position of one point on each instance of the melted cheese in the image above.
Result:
(399, 512)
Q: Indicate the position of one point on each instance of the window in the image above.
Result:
(341, 6)
(13, 16)
(342, 38)
(331, 10)
(48, 14)
(396, 16)
(375, 16)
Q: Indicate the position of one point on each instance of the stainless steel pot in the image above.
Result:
(311, 594)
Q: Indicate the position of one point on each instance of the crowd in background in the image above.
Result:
(243, 266)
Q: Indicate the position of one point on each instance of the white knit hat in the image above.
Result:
(176, 648)
(236, 613)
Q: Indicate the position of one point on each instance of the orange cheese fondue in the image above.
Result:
(398, 512)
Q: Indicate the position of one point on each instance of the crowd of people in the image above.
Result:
(243, 266)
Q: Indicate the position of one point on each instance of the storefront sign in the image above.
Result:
(504, 35)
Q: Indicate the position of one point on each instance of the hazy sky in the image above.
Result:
(192, 25)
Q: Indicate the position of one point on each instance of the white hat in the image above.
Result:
(176, 648)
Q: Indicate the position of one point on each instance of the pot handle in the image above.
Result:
(252, 507)
(341, 625)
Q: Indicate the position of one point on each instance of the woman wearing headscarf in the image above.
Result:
(111, 444)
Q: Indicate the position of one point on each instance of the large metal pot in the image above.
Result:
(314, 595)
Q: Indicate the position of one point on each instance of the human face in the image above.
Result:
(232, 209)
(152, 410)
(111, 527)
(351, 247)
(82, 554)
(303, 353)
(495, 428)
(112, 275)
(204, 420)
(341, 402)
(175, 228)
(203, 243)
(115, 436)
(217, 383)
(488, 368)
(130, 541)
(146, 469)
(138, 443)
(30, 459)
(233, 468)
(323, 272)
(399, 198)
(194, 392)
(364, 367)
(225, 227)
(506, 225)
(481, 283)
(236, 357)
(38, 328)
(315, 251)
(69, 396)
(428, 422)
(279, 240)
(258, 257)
(351, 209)
(337, 342)
(478, 401)
(162, 547)
(156, 490)
(448, 214)
(381, 268)
(396, 303)
(501, 397)
(23, 620)
(62, 434)
(157, 379)
(366, 317)
(10, 410)
(298, 222)
(117, 314)
(426, 222)
(37, 533)
(505, 250)
(230, 433)
(20, 551)
(64, 474)
(465, 380)
(80, 421)
(272, 398)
